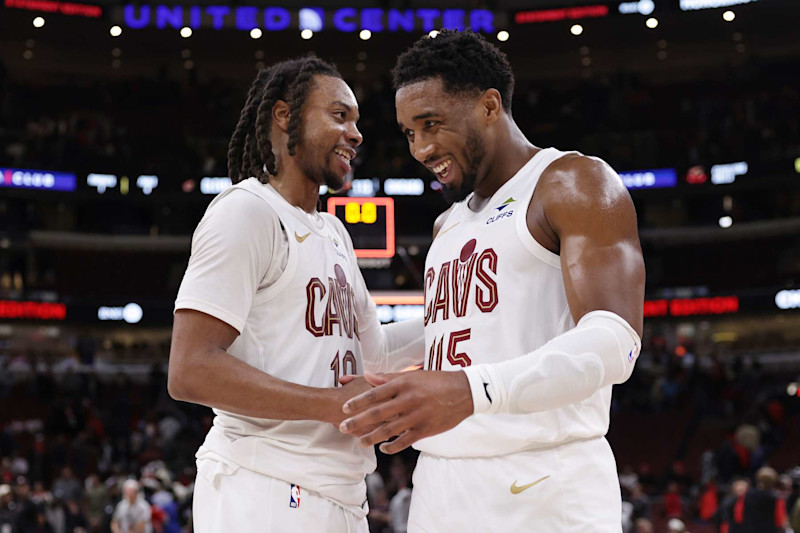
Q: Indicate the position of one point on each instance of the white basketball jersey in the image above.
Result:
(493, 293)
(301, 329)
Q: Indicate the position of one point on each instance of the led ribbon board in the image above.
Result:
(650, 179)
(346, 19)
(20, 178)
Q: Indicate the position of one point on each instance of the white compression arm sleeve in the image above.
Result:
(600, 351)
(392, 347)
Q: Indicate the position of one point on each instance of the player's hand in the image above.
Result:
(409, 406)
(351, 386)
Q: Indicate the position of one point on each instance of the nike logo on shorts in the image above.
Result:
(516, 489)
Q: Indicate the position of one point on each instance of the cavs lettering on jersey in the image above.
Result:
(339, 311)
(300, 328)
(493, 293)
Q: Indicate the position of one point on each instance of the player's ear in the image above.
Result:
(491, 105)
(281, 113)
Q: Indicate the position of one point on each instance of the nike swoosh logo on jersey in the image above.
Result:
(442, 232)
(301, 238)
(517, 489)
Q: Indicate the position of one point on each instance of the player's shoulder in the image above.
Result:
(440, 220)
(247, 197)
(334, 221)
(337, 225)
(244, 206)
(581, 181)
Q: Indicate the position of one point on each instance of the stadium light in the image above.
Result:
(728, 16)
(38, 22)
(652, 23)
(306, 34)
(643, 7)
(797, 165)
(502, 36)
(364, 35)
(433, 33)
(186, 32)
(725, 222)
(576, 29)
(255, 33)
(115, 31)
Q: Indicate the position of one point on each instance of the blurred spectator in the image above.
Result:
(96, 498)
(643, 525)
(398, 509)
(759, 510)
(132, 514)
(628, 479)
(680, 477)
(66, 487)
(673, 503)
(75, 521)
(379, 516)
(738, 490)
(795, 517)
(708, 505)
(676, 525)
(640, 503)
(7, 509)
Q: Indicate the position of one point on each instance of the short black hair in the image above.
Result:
(464, 60)
(250, 147)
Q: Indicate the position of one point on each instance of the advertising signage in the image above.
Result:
(650, 179)
(21, 178)
(345, 19)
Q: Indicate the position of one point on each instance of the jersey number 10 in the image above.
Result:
(347, 364)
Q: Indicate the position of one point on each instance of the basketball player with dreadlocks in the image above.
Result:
(534, 291)
(273, 311)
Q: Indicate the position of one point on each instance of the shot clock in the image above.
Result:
(370, 222)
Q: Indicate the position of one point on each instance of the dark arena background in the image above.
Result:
(114, 124)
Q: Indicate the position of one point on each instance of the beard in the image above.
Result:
(322, 174)
(474, 152)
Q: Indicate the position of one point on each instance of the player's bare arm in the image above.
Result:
(201, 371)
(582, 211)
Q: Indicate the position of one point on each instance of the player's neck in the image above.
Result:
(296, 188)
(513, 152)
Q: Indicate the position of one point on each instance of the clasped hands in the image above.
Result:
(407, 405)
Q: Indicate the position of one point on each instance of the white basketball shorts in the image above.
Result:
(229, 498)
(571, 488)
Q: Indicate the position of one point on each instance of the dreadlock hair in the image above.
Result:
(465, 61)
(250, 147)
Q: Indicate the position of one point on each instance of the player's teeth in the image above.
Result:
(440, 167)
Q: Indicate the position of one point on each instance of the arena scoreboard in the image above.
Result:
(370, 222)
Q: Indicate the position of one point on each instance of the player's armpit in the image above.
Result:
(591, 212)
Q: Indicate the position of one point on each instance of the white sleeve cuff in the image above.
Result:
(485, 396)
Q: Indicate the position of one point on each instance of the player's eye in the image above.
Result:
(409, 135)
(341, 114)
(430, 123)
